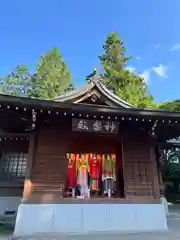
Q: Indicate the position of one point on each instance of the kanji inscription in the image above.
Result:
(99, 126)
(82, 125)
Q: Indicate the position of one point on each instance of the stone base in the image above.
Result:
(89, 218)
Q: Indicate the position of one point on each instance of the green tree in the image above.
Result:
(173, 106)
(50, 79)
(125, 84)
(52, 75)
(34, 87)
(16, 82)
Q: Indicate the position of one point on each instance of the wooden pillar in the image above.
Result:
(154, 174)
(28, 183)
(123, 167)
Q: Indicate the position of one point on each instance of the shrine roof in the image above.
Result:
(93, 84)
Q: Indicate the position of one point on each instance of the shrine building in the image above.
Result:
(86, 162)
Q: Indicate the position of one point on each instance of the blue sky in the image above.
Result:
(149, 28)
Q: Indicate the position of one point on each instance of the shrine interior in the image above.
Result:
(94, 166)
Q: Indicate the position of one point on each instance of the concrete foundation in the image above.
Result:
(84, 218)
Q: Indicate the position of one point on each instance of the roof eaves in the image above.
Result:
(112, 96)
(74, 93)
(29, 102)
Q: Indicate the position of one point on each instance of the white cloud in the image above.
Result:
(175, 47)
(161, 70)
(145, 75)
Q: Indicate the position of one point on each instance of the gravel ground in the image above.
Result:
(172, 234)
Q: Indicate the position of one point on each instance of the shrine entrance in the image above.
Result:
(94, 166)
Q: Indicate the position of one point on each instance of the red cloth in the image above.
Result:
(95, 167)
(70, 177)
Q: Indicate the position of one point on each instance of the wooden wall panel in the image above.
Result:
(50, 165)
(138, 166)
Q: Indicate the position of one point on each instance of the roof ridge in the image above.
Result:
(80, 90)
(92, 82)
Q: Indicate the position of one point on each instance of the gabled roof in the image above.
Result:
(93, 87)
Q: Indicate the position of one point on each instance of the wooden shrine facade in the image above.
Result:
(49, 130)
(88, 146)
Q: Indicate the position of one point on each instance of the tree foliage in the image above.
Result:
(53, 75)
(173, 106)
(170, 162)
(50, 79)
(16, 81)
(125, 84)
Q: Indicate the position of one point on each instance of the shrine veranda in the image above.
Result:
(91, 162)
